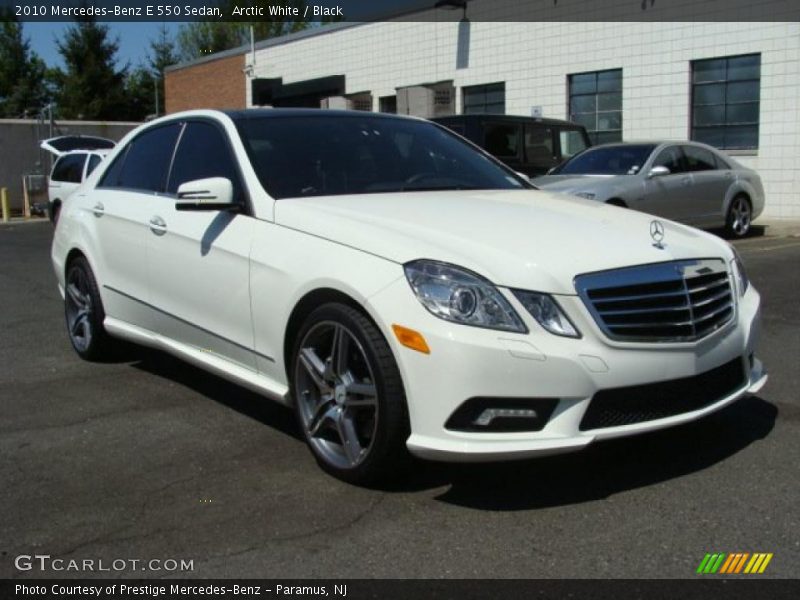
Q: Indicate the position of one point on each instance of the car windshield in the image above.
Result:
(296, 156)
(625, 159)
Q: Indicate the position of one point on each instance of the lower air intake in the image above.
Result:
(642, 403)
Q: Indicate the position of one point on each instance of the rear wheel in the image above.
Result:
(739, 217)
(84, 312)
(349, 398)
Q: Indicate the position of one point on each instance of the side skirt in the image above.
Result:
(201, 358)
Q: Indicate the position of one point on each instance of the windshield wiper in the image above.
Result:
(438, 188)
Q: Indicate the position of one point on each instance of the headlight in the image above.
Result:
(547, 313)
(587, 195)
(742, 282)
(455, 294)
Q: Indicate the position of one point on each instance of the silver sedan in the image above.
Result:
(683, 181)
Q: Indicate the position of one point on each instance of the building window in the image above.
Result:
(387, 104)
(489, 98)
(725, 101)
(595, 101)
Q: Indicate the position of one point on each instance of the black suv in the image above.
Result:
(528, 145)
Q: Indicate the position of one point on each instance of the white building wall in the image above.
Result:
(534, 59)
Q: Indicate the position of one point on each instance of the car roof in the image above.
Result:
(260, 113)
(653, 143)
(499, 117)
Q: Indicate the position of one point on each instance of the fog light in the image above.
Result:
(495, 415)
(490, 414)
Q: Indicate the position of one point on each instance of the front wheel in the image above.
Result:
(349, 397)
(739, 217)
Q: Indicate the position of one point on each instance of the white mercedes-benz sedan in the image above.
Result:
(401, 289)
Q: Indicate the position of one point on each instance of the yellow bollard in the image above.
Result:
(4, 204)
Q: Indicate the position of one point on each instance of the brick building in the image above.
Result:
(216, 81)
(733, 84)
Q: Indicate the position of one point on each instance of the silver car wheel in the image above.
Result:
(79, 309)
(740, 216)
(336, 395)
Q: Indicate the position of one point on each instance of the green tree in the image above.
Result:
(199, 39)
(162, 55)
(91, 86)
(140, 86)
(22, 72)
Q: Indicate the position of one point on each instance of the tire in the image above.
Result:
(83, 310)
(348, 396)
(739, 217)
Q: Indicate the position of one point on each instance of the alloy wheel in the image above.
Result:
(336, 394)
(79, 309)
(740, 216)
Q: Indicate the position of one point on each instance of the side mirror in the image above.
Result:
(214, 193)
(658, 171)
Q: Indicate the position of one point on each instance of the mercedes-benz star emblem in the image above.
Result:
(657, 233)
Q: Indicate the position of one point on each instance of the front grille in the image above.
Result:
(678, 301)
(641, 403)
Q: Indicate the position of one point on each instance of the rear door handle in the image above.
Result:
(98, 209)
(686, 181)
(157, 225)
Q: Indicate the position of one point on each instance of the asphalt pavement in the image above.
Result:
(148, 458)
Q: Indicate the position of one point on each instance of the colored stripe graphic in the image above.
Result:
(764, 564)
(727, 564)
(740, 564)
(703, 563)
(734, 563)
(718, 562)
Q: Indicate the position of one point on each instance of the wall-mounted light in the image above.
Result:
(452, 5)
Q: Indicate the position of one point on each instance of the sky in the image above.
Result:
(134, 39)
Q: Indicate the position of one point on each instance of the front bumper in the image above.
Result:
(467, 362)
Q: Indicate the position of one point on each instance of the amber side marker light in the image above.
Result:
(411, 339)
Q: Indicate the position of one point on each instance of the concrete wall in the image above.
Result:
(20, 153)
(535, 58)
(218, 83)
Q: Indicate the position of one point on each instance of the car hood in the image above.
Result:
(519, 238)
(575, 183)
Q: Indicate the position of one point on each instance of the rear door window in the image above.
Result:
(672, 158)
(699, 159)
(539, 146)
(144, 163)
(572, 141)
(502, 139)
(69, 168)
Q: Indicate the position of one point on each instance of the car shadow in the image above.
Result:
(607, 468)
(597, 472)
(242, 400)
(756, 231)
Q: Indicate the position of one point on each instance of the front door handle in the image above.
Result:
(98, 209)
(157, 225)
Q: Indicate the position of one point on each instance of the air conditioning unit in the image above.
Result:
(428, 100)
(335, 102)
